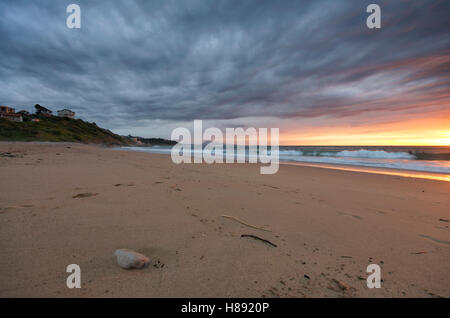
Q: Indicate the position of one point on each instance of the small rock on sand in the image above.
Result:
(130, 259)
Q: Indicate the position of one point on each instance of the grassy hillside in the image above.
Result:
(58, 129)
(156, 141)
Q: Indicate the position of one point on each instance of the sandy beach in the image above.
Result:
(64, 204)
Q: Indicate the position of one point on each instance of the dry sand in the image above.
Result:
(328, 225)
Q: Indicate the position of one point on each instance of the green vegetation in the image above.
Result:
(57, 129)
(156, 141)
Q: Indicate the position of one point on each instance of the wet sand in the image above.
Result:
(64, 204)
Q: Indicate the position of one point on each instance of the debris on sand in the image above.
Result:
(258, 238)
(84, 195)
(175, 187)
(10, 155)
(343, 286)
(130, 259)
(244, 223)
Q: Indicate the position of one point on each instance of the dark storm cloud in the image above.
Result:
(185, 60)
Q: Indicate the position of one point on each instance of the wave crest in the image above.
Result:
(362, 153)
(376, 154)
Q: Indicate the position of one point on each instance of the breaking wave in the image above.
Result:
(362, 153)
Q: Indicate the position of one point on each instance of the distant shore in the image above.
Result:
(68, 203)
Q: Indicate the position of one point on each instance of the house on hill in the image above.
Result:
(40, 110)
(10, 114)
(66, 113)
(7, 110)
(24, 113)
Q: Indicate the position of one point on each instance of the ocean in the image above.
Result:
(430, 159)
(426, 159)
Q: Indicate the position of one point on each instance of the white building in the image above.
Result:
(66, 113)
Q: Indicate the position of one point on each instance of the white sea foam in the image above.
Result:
(378, 154)
(362, 153)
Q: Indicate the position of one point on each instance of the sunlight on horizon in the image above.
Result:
(441, 138)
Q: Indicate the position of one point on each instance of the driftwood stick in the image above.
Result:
(258, 238)
(243, 223)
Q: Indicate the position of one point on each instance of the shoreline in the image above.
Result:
(334, 166)
(357, 168)
(328, 226)
(374, 170)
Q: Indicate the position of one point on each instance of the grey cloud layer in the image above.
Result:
(184, 60)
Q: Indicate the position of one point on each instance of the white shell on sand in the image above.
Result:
(130, 259)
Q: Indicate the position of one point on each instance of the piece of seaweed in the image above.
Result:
(258, 238)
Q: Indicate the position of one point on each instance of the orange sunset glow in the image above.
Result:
(403, 136)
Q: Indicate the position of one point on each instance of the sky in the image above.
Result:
(310, 68)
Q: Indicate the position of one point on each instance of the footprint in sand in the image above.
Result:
(160, 258)
(435, 239)
(84, 195)
(352, 215)
(175, 187)
(124, 184)
(16, 207)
